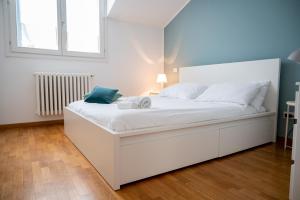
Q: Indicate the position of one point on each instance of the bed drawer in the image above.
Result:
(145, 156)
(246, 135)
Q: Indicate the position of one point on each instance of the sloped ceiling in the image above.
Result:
(149, 12)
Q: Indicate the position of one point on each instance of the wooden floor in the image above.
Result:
(41, 163)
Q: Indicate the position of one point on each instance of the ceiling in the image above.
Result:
(149, 12)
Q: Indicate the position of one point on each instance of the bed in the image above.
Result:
(125, 148)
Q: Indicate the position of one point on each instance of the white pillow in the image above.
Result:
(258, 101)
(240, 93)
(183, 91)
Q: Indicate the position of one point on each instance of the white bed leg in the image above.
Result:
(116, 187)
(117, 168)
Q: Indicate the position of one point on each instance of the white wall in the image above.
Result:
(135, 56)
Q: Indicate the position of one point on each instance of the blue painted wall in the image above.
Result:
(218, 31)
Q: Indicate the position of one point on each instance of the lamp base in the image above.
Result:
(161, 86)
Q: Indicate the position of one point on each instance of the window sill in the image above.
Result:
(12, 54)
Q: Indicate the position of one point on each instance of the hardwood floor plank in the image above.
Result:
(41, 163)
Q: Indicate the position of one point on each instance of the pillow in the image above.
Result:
(183, 90)
(258, 101)
(116, 97)
(101, 95)
(240, 93)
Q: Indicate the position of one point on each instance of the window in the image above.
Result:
(57, 27)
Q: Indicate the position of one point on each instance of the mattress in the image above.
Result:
(164, 112)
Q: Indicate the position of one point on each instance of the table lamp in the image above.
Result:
(161, 78)
(295, 56)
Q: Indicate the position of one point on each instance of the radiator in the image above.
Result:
(54, 91)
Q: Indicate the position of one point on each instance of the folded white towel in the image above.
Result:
(127, 105)
(144, 102)
(135, 103)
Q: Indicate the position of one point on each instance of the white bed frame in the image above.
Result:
(129, 156)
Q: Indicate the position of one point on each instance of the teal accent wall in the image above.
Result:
(219, 31)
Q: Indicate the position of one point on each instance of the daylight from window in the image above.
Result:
(83, 25)
(37, 24)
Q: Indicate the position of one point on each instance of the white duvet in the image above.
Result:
(164, 112)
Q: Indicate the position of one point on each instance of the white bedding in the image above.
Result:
(164, 112)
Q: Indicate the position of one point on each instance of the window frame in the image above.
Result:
(15, 50)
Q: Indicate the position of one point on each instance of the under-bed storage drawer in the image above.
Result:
(245, 135)
(143, 156)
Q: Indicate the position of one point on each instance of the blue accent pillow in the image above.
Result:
(116, 97)
(101, 95)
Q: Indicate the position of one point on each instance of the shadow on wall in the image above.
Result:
(141, 51)
(151, 61)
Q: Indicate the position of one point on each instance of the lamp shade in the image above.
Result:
(161, 78)
(295, 56)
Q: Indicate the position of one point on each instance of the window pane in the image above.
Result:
(37, 24)
(83, 25)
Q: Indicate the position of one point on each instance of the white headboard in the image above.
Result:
(258, 70)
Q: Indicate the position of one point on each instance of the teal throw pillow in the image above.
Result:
(101, 95)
